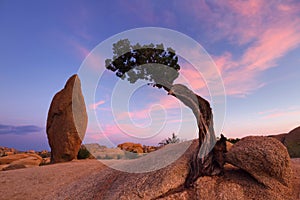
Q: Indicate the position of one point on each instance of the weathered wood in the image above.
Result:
(208, 158)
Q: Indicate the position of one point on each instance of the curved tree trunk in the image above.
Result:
(208, 158)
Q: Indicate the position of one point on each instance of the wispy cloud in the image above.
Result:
(79, 48)
(290, 112)
(19, 130)
(263, 32)
(96, 105)
(167, 103)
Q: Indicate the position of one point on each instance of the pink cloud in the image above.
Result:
(96, 105)
(268, 30)
(273, 43)
(291, 112)
(169, 102)
(94, 60)
(77, 47)
(165, 102)
(193, 78)
(240, 76)
(108, 130)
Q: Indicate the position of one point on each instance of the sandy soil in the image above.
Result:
(51, 181)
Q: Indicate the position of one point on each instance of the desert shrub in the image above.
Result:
(130, 155)
(83, 153)
(43, 164)
(233, 141)
(45, 154)
(108, 157)
(171, 140)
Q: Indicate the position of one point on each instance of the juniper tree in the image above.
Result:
(159, 66)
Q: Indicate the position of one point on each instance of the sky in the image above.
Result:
(255, 46)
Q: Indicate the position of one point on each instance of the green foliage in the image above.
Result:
(45, 154)
(83, 153)
(170, 140)
(148, 62)
(131, 155)
(233, 141)
(108, 157)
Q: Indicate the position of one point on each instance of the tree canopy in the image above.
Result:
(151, 62)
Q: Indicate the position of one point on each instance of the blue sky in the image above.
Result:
(254, 44)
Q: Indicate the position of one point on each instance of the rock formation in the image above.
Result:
(17, 161)
(5, 151)
(67, 122)
(131, 147)
(168, 183)
(149, 149)
(90, 179)
(117, 184)
(291, 140)
(264, 158)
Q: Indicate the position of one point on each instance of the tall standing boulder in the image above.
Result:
(67, 122)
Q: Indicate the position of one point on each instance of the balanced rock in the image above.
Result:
(67, 122)
(264, 158)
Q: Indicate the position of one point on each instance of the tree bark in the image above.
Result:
(208, 158)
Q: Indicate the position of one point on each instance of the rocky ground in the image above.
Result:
(56, 181)
(291, 140)
(91, 179)
(296, 177)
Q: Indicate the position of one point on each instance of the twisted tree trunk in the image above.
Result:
(208, 158)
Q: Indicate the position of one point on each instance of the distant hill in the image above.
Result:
(291, 140)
